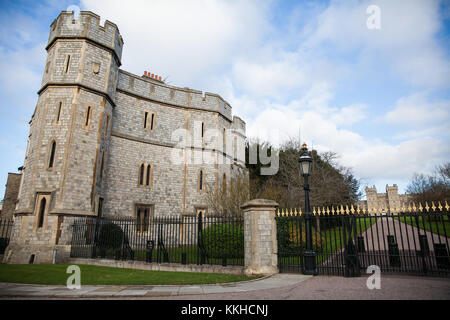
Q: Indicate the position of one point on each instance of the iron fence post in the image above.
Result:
(310, 254)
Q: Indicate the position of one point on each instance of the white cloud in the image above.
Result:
(350, 114)
(314, 128)
(398, 161)
(406, 40)
(185, 40)
(417, 110)
(427, 132)
(273, 79)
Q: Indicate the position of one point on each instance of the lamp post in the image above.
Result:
(310, 255)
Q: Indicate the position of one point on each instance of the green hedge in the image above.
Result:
(223, 239)
(288, 237)
(110, 236)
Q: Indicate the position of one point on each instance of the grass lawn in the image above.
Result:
(332, 239)
(55, 274)
(436, 224)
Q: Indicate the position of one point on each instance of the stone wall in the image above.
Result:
(260, 237)
(86, 26)
(176, 267)
(11, 195)
(177, 97)
(27, 240)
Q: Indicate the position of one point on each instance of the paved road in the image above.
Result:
(406, 235)
(339, 288)
(277, 287)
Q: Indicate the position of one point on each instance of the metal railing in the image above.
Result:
(6, 226)
(346, 244)
(180, 239)
(413, 243)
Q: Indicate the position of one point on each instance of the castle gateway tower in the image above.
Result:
(101, 142)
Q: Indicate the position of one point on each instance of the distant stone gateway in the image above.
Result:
(389, 202)
(101, 142)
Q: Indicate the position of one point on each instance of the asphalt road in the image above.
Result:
(340, 288)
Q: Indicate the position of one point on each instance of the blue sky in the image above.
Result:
(379, 98)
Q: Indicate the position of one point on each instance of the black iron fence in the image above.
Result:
(181, 239)
(6, 225)
(346, 244)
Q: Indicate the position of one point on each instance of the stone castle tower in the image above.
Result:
(100, 141)
(387, 202)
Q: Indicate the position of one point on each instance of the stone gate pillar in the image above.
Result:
(260, 237)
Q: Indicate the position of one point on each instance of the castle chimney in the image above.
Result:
(160, 78)
(145, 73)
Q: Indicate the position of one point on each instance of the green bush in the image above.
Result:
(110, 236)
(288, 237)
(223, 239)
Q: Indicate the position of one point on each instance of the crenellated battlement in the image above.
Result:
(393, 188)
(238, 125)
(86, 26)
(154, 90)
(371, 190)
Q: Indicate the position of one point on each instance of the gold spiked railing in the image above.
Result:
(362, 209)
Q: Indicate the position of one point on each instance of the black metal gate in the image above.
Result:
(6, 226)
(346, 244)
(290, 237)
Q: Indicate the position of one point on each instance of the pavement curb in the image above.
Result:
(143, 285)
(142, 291)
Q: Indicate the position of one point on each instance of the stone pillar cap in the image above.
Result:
(259, 203)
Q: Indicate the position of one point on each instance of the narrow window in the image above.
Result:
(200, 213)
(200, 180)
(67, 63)
(145, 219)
(142, 218)
(52, 155)
(107, 126)
(224, 140)
(59, 112)
(153, 119)
(41, 213)
(141, 175)
(145, 120)
(102, 165)
(100, 207)
(224, 183)
(138, 220)
(147, 178)
(203, 129)
(88, 116)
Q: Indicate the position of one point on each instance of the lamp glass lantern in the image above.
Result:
(305, 164)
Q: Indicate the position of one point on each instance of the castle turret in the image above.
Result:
(67, 149)
(393, 198)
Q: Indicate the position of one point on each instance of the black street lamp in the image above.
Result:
(310, 255)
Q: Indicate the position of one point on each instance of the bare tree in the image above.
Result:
(435, 187)
(444, 171)
(227, 197)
